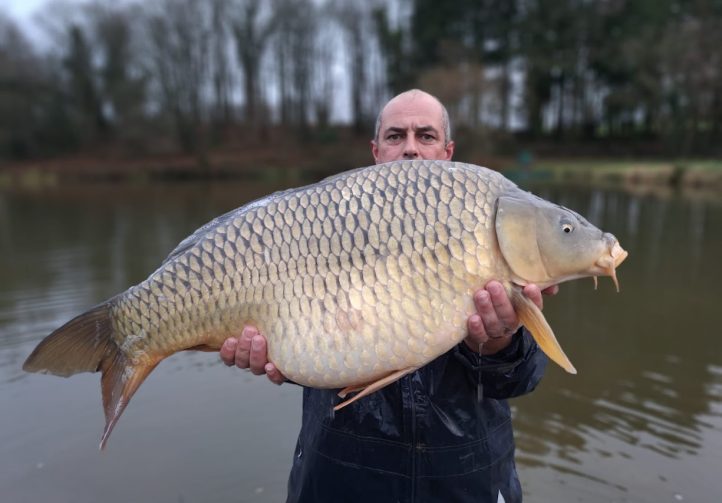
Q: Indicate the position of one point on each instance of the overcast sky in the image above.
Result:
(21, 10)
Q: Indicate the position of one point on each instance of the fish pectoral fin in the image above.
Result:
(533, 319)
(368, 388)
(119, 383)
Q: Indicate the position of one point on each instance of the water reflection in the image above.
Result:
(641, 422)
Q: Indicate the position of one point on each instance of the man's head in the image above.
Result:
(412, 125)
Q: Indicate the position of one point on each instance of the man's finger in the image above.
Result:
(485, 309)
(259, 357)
(274, 375)
(533, 293)
(228, 351)
(551, 290)
(477, 333)
(475, 327)
(503, 308)
(243, 351)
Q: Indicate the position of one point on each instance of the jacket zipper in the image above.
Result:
(413, 439)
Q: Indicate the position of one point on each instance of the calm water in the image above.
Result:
(642, 422)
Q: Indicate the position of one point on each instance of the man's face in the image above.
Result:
(411, 128)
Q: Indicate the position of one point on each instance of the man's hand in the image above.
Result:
(249, 352)
(495, 320)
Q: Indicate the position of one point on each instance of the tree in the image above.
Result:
(294, 43)
(20, 86)
(392, 42)
(252, 29)
(178, 35)
(121, 82)
(220, 66)
(549, 45)
(82, 85)
(353, 19)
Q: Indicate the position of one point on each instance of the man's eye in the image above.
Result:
(426, 137)
(393, 137)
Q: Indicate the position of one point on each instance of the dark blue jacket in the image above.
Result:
(443, 433)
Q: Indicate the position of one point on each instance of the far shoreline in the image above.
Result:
(293, 167)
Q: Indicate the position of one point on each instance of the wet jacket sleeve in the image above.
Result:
(513, 371)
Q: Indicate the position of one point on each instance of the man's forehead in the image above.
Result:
(414, 103)
(412, 111)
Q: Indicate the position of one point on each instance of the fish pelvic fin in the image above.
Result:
(533, 319)
(368, 388)
(85, 344)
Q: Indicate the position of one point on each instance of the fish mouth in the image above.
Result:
(607, 264)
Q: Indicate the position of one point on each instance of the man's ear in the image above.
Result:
(375, 151)
(449, 150)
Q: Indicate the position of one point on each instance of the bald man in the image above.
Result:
(442, 433)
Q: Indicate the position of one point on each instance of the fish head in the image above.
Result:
(546, 244)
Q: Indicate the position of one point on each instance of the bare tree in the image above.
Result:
(121, 79)
(220, 64)
(178, 35)
(353, 18)
(324, 83)
(82, 83)
(294, 44)
(252, 29)
(19, 85)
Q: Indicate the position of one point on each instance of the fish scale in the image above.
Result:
(354, 281)
(382, 219)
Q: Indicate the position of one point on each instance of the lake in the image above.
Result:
(641, 422)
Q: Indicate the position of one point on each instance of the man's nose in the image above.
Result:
(411, 150)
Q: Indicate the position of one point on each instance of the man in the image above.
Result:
(442, 433)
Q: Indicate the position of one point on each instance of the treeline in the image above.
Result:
(188, 75)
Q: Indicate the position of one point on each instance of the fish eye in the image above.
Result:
(567, 227)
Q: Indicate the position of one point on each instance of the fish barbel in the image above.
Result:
(355, 281)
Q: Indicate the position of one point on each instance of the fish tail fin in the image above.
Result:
(81, 345)
(85, 344)
(533, 319)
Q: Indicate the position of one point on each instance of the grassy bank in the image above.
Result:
(688, 175)
(691, 174)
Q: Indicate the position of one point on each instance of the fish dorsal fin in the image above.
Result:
(202, 231)
(533, 319)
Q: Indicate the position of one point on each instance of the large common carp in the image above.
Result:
(355, 281)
